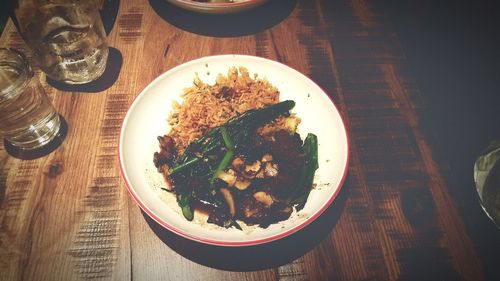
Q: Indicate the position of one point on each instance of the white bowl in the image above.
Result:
(146, 119)
(217, 8)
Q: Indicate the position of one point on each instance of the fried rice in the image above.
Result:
(206, 106)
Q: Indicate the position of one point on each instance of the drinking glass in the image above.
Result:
(67, 38)
(28, 119)
(487, 180)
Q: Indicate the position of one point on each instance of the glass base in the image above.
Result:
(47, 148)
(37, 135)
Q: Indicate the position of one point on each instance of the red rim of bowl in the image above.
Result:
(212, 7)
(227, 4)
(233, 243)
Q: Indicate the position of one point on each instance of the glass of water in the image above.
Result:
(487, 180)
(67, 38)
(28, 119)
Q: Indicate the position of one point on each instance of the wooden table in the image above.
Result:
(404, 212)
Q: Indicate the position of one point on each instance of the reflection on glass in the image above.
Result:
(487, 179)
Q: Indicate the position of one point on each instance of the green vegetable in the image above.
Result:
(184, 165)
(236, 131)
(307, 172)
(184, 202)
(227, 157)
(235, 224)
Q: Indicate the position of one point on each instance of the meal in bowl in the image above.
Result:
(233, 151)
(220, 1)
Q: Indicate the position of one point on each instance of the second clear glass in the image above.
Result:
(28, 120)
(67, 38)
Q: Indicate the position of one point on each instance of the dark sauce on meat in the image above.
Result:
(276, 160)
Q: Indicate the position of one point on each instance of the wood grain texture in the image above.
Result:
(400, 186)
(68, 216)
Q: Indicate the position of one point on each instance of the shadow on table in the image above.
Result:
(251, 258)
(225, 25)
